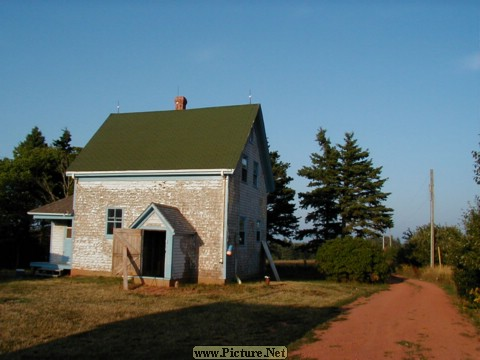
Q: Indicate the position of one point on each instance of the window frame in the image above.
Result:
(258, 230)
(245, 161)
(256, 168)
(242, 233)
(116, 220)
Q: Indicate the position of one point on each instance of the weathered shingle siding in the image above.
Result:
(57, 238)
(184, 257)
(199, 200)
(250, 202)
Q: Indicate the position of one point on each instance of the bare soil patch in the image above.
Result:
(413, 320)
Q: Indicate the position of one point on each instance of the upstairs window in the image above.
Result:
(241, 230)
(255, 173)
(114, 220)
(259, 230)
(244, 168)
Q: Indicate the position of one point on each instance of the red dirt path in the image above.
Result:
(412, 320)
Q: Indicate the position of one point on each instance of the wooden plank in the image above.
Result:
(270, 260)
(132, 239)
(125, 267)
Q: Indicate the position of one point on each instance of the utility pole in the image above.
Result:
(432, 221)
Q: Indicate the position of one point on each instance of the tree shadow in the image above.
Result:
(395, 279)
(173, 334)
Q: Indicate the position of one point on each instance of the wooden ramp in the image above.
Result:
(270, 260)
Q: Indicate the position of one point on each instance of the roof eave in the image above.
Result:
(182, 172)
(50, 216)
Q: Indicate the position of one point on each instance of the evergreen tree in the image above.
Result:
(322, 200)
(476, 165)
(282, 224)
(345, 197)
(361, 200)
(65, 154)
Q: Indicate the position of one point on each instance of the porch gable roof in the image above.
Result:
(169, 215)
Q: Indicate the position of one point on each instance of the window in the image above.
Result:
(244, 168)
(241, 230)
(259, 230)
(68, 234)
(114, 220)
(255, 174)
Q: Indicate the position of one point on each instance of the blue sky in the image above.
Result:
(402, 75)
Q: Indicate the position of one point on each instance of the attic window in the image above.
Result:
(255, 173)
(244, 168)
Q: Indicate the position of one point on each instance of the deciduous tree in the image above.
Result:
(34, 177)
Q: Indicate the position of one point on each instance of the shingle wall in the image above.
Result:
(250, 202)
(199, 200)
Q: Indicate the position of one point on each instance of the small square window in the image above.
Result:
(114, 220)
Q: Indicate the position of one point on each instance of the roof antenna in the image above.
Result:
(250, 96)
(118, 107)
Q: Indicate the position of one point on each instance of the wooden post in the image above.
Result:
(432, 221)
(270, 260)
(125, 268)
(439, 257)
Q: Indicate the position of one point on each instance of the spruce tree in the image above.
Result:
(476, 165)
(322, 200)
(282, 224)
(360, 199)
(346, 197)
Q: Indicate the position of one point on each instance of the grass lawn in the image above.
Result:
(80, 317)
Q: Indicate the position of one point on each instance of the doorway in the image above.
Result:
(153, 257)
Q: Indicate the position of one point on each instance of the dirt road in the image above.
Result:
(412, 320)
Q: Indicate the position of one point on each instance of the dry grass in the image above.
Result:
(440, 275)
(94, 317)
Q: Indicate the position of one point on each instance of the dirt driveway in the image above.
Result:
(412, 320)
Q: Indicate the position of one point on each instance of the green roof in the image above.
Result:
(194, 139)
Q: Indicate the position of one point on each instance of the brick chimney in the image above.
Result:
(180, 103)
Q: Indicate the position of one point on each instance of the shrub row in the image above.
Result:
(353, 259)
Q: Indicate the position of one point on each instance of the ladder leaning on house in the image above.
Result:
(270, 260)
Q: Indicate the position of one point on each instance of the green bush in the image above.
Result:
(466, 259)
(466, 281)
(352, 259)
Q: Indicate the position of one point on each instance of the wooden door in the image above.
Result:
(132, 239)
